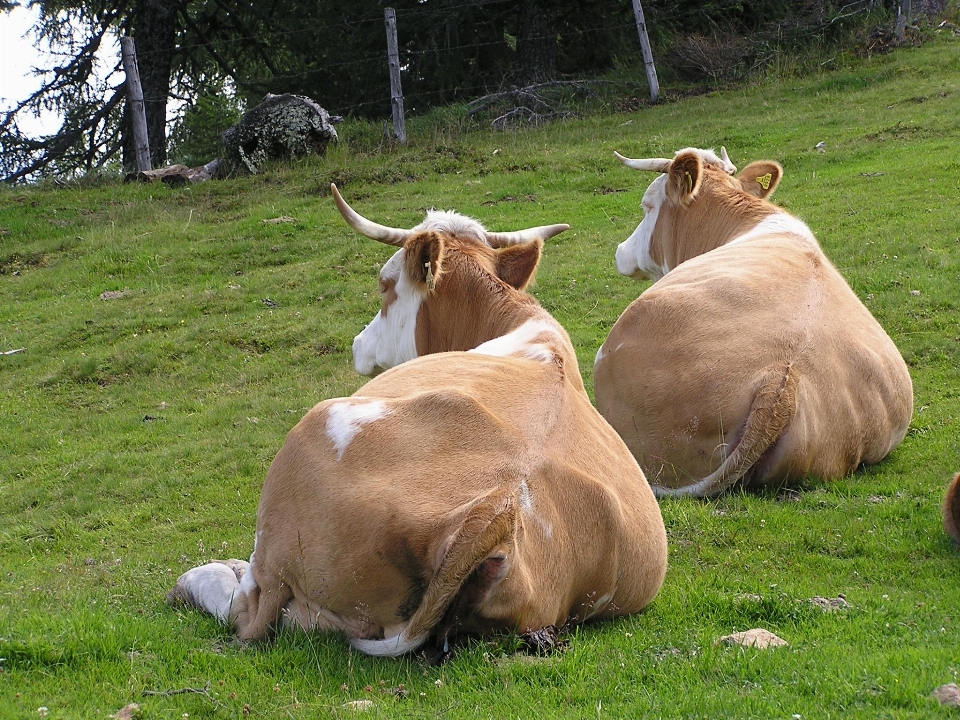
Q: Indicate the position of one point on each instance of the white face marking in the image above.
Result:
(390, 338)
(522, 341)
(633, 254)
(345, 418)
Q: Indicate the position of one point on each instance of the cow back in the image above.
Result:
(682, 368)
(362, 500)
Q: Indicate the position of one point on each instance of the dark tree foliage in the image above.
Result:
(330, 50)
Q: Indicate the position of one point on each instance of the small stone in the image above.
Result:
(130, 711)
(757, 638)
(830, 604)
(947, 695)
(360, 705)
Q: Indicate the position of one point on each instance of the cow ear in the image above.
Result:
(424, 259)
(760, 178)
(684, 177)
(517, 264)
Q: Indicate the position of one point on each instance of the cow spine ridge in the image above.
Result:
(951, 509)
(774, 407)
(492, 521)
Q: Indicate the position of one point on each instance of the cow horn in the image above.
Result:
(542, 232)
(727, 163)
(660, 165)
(372, 230)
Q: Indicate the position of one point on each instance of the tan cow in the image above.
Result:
(750, 359)
(459, 491)
(951, 509)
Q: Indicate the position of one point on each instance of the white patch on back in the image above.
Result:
(599, 357)
(345, 418)
(522, 341)
(779, 223)
(633, 254)
(390, 339)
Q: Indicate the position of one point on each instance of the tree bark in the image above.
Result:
(536, 44)
(154, 29)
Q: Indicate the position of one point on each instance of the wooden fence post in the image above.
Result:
(903, 19)
(393, 58)
(135, 96)
(647, 52)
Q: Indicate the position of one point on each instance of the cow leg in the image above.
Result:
(260, 602)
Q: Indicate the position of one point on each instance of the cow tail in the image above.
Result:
(951, 509)
(491, 521)
(774, 407)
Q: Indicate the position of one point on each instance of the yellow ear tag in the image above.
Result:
(689, 182)
(764, 180)
(430, 282)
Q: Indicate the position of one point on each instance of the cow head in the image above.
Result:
(441, 290)
(694, 206)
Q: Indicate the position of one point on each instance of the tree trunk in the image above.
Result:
(536, 44)
(154, 29)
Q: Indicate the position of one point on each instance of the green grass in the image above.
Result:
(135, 431)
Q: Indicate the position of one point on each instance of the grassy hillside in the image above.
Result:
(171, 338)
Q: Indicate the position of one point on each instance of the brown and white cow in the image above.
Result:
(750, 360)
(470, 488)
(951, 509)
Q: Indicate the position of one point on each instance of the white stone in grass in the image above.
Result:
(360, 705)
(756, 638)
(830, 604)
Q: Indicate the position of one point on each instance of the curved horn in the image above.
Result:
(541, 232)
(660, 165)
(372, 230)
(727, 163)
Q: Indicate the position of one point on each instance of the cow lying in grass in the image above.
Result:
(750, 360)
(470, 488)
(951, 509)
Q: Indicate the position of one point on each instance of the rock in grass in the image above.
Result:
(282, 126)
(947, 695)
(130, 712)
(830, 604)
(757, 638)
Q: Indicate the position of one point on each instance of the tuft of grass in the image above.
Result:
(172, 338)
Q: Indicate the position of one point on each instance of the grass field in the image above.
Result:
(136, 426)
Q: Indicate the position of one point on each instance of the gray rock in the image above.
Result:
(947, 695)
(282, 126)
